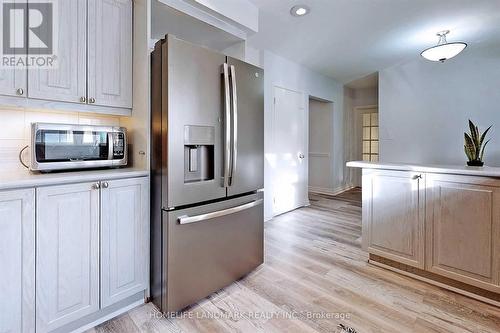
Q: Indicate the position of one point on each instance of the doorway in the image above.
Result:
(290, 151)
(320, 146)
(365, 138)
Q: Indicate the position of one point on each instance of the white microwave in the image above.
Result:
(65, 146)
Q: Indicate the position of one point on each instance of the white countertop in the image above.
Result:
(23, 179)
(485, 171)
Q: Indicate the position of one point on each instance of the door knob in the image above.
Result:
(20, 91)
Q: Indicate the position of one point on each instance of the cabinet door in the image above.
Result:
(393, 216)
(17, 261)
(67, 82)
(124, 239)
(13, 81)
(67, 257)
(463, 228)
(110, 53)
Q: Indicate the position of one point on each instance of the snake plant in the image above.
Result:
(475, 145)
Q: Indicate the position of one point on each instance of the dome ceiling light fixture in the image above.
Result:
(299, 10)
(443, 50)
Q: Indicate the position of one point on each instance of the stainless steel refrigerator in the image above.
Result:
(207, 172)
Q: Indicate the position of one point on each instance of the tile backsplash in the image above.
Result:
(15, 129)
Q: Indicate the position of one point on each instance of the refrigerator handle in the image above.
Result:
(235, 123)
(227, 126)
(198, 218)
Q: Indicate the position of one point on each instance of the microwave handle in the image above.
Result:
(110, 145)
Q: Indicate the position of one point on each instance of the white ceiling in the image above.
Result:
(349, 39)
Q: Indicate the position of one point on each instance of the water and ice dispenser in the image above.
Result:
(198, 153)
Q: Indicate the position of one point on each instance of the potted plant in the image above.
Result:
(475, 144)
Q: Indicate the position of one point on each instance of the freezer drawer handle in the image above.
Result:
(198, 218)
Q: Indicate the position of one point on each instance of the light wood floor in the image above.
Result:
(315, 272)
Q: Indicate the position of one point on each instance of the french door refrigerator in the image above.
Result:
(207, 169)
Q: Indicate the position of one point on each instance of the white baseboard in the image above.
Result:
(108, 317)
(329, 191)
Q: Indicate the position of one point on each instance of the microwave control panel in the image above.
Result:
(118, 146)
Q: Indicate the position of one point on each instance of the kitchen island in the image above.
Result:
(436, 223)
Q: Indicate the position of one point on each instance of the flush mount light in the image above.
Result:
(299, 10)
(443, 50)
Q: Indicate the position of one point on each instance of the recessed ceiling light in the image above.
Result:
(299, 10)
(443, 50)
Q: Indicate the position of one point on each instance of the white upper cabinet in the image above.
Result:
(13, 81)
(124, 239)
(110, 53)
(67, 82)
(17, 261)
(93, 65)
(67, 254)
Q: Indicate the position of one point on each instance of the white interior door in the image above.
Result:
(290, 148)
(320, 146)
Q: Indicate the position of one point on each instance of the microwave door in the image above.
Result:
(60, 146)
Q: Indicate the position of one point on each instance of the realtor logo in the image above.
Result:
(29, 34)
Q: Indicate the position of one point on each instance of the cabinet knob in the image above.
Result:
(92, 100)
(105, 185)
(301, 156)
(417, 177)
(20, 91)
(96, 186)
(83, 99)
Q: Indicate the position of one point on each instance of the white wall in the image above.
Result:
(243, 12)
(424, 108)
(364, 96)
(287, 74)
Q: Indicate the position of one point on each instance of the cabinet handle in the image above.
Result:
(83, 99)
(20, 91)
(105, 185)
(92, 100)
(96, 186)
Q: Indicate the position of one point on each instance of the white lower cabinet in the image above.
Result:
(91, 250)
(394, 215)
(124, 236)
(463, 229)
(67, 254)
(17, 261)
